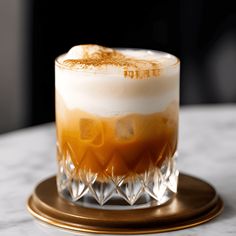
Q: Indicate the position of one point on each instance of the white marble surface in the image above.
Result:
(207, 149)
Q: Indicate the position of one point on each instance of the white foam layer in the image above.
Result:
(106, 92)
(165, 61)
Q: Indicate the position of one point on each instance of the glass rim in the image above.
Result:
(66, 67)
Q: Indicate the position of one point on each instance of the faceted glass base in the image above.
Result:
(153, 187)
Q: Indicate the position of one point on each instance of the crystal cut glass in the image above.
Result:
(117, 127)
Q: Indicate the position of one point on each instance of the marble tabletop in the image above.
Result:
(207, 149)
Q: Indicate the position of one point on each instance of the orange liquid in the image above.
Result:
(118, 145)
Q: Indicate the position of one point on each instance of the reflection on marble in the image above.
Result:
(207, 149)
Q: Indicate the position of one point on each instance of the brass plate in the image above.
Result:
(196, 202)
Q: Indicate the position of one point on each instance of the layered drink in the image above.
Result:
(117, 125)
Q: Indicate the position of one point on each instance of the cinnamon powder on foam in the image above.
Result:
(132, 67)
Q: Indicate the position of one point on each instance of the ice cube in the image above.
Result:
(87, 128)
(91, 131)
(125, 128)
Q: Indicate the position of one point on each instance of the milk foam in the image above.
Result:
(104, 90)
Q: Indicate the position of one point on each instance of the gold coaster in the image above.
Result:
(196, 202)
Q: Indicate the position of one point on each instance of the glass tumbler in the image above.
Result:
(117, 135)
